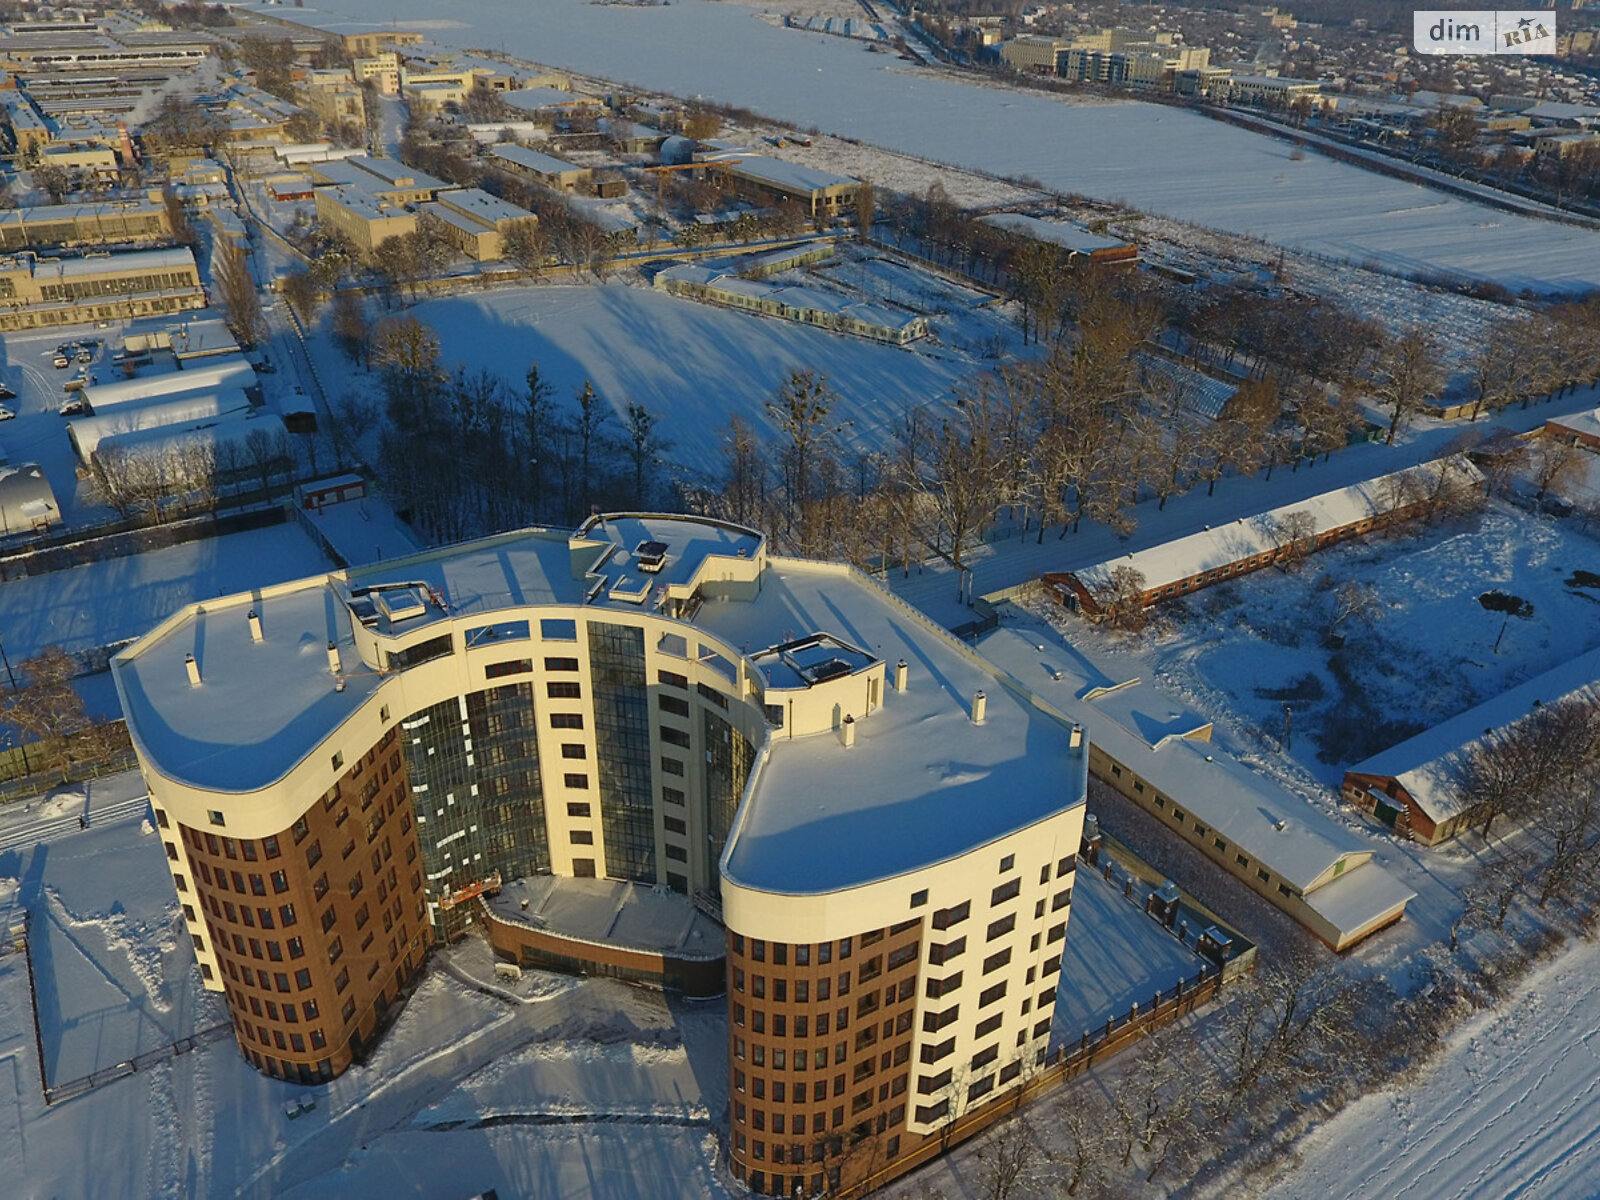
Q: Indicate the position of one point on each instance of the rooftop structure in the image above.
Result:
(645, 720)
(49, 291)
(27, 502)
(820, 193)
(1414, 787)
(83, 224)
(545, 167)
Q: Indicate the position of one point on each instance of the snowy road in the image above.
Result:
(1511, 1110)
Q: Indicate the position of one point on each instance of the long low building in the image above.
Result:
(36, 293)
(1159, 755)
(542, 168)
(27, 502)
(362, 217)
(223, 448)
(1083, 247)
(86, 433)
(1188, 564)
(628, 729)
(204, 376)
(1414, 787)
(83, 224)
(821, 194)
(809, 306)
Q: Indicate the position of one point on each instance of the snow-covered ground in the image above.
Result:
(1511, 1108)
(1155, 158)
(692, 364)
(1430, 649)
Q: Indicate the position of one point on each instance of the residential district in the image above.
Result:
(961, 688)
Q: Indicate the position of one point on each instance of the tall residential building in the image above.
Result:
(650, 749)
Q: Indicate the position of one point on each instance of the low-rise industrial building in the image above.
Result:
(542, 168)
(821, 194)
(809, 306)
(40, 292)
(27, 502)
(84, 224)
(1083, 246)
(1414, 788)
(475, 222)
(1158, 755)
(361, 217)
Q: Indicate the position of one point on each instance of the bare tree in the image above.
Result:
(48, 707)
(1406, 375)
(237, 291)
(1121, 599)
(351, 332)
(1554, 464)
(744, 472)
(801, 412)
(1009, 1160)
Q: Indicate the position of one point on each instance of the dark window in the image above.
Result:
(1002, 927)
(513, 666)
(557, 629)
(997, 960)
(672, 704)
(1005, 891)
(673, 679)
(576, 781)
(566, 720)
(990, 994)
(944, 918)
(563, 689)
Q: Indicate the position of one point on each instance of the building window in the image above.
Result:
(1006, 891)
(215, 817)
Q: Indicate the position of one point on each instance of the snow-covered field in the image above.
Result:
(693, 364)
(1511, 1108)
(1158, 159)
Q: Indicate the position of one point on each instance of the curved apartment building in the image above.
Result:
(649, 749)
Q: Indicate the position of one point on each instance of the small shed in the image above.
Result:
(336, 489)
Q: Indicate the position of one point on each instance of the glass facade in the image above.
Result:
(474, 769)
(622, 745)
(728, 758)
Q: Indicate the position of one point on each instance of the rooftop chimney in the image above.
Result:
(902, 675)
(1075, 739)
(847, 731)
(193, 668)
(333, 658)
(980, 704)
(255, 626)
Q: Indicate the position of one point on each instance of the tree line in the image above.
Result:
(463, 452)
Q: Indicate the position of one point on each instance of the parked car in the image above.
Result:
(76, 384)
(6, 393)
(73, 407)
(60, 360)
(85, 355)
(5, 413)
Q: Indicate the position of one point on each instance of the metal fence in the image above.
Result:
(57, 1092)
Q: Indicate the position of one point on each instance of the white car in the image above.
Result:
(5, 413)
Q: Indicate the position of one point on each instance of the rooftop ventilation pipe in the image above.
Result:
(193, 668)
(255, 626)
(847, 731)
(980, 704)
(902, 675)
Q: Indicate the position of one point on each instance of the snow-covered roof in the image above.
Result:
(223, 371)
(176, 258)
(478, 205)
(539, 98)
(26, 498)
(609, 912)
(1063, 233)
(1427, 764)
(1211, 549)
(214, 433)
(1554, 110)
(86, 433)
(1141, 727)
(789, 176)
(532, 160)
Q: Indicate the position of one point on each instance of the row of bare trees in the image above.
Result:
(463, 453)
